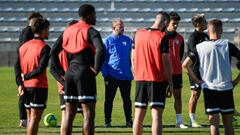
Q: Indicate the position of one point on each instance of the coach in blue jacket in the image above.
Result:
(116, 71)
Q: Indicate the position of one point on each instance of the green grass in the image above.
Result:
(9, 118)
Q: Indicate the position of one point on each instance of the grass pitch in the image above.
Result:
(9, 119)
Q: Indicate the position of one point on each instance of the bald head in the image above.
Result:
(117, 26)
(161, 21)
(116, 22)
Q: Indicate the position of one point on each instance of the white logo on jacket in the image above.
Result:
(124, 43)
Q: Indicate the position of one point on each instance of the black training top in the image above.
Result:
(43, 62)
(195, 38)
(233, 52)
(25, 35)
(85, 57)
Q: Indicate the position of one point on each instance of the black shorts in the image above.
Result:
(193, 85)
(80, 85)
(177, 81)
(36, 98)
(152, 92)
(218, 101)
(63, 106)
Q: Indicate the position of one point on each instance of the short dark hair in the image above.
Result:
(216, 25)
(165, 14)
(174, 16)
(39, 24)
(198, 18)
(85, 10)
(72, 22)
(34, 15)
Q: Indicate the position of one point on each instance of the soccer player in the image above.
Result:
(200, 24)
(84, 47)
(31, 77)
(26, 35)
(152, 72)
(214, 58)
(116, 71)
(63, 59)
(176, 49)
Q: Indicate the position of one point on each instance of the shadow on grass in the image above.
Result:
(113, 132)
(145, 126)
(116, 129)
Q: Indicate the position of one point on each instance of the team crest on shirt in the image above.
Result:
(124, 43)
(176, 41)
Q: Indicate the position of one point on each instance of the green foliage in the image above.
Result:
(9, 120)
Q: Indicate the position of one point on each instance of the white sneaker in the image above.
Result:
(182, 126)
(194, 124)
(23, 123)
